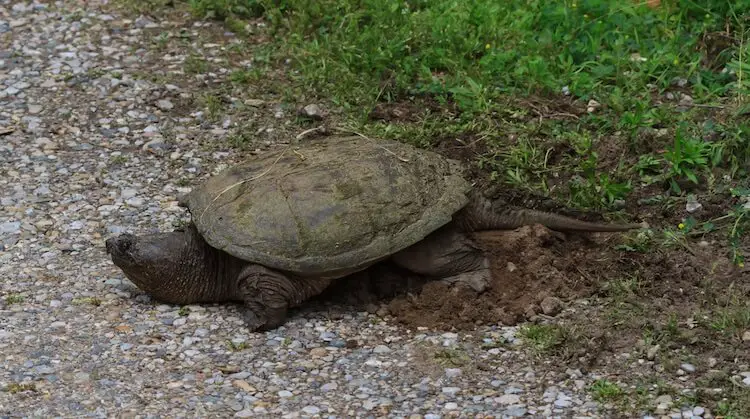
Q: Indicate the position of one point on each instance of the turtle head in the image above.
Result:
(155, 263)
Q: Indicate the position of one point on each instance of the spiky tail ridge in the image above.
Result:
(517, 218)
(478, 215)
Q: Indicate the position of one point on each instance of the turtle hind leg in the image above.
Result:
(268, 294)
(448, 255)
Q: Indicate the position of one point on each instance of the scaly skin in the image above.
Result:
(181, 268)
(178, 267)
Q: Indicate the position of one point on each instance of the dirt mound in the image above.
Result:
(533, 269)
(530, 269)
(536, 271)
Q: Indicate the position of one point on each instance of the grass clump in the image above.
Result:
(14, 388)
(606, 391)
(733, 318)
(736, 405)
(544, 338)
(236, 346)
(94, 301)
(13, 299)
(195, 65)
(450, 357)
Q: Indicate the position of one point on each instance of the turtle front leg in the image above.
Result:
(268, 294)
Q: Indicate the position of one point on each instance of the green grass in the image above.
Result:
(736, 405)
(87, 300)
(478, 51)
(118, 159)
(14, 388)
(13, 299)
(544, 338)
(212, 104)
(517, 78)
(236, 347)
(195, 65)
(606, 391)
(733, 318)
(451, 357)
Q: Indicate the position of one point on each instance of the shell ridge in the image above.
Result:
(300, 236)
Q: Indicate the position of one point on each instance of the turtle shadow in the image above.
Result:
(366, 290)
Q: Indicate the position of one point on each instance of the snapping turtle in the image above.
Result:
(278, 229)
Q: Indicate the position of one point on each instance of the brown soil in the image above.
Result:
(525, 270)
(536, 271)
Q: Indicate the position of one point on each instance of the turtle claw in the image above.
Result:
(268, 321)
(253, 322)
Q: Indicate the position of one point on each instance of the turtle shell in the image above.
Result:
(328, 207)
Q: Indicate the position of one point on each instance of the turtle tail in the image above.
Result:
(479, 215)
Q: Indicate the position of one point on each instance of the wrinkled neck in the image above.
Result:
(209, 274)
(196, 273)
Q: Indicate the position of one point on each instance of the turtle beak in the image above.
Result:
(119, 247)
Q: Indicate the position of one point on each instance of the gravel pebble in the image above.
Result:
(690, 368)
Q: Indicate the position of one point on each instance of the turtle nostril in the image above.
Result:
(110, 244)
(121, 243)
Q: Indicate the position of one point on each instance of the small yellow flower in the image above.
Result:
(676, 61)
(487, 46)
(741, 264)
(681, 226)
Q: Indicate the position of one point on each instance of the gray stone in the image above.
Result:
(313, 111)
(515, 411)
(451, 391)
(551, 306)
(311, 410)
(10, 227)
(652, 351)
(688, 367)
(509, 399)
(164, 104)
(381, 349)
(562, 403)
(329, 387)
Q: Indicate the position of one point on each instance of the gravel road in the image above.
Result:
(91, 147)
